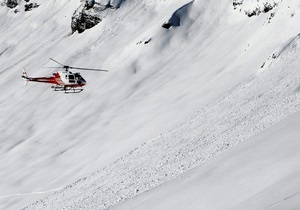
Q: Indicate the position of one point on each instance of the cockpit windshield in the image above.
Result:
(79, 77)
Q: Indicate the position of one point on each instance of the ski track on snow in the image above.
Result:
(32, 193)
(283, 200)
(250, 108)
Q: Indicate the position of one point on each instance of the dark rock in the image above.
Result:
(166, 25)
(89, 4)
(253, 12)
(271, 16)
(89, 14)
(147, 41)
(258, 10)
(31, 6)
(267, 7)
(237, 3)
(84, 21)
(12, 3)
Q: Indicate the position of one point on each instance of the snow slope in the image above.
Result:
(261, 173)
(259, 103)
(50, 139)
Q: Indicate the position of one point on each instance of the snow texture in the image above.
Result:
(262, 102)
(258, 174)
(175, 103)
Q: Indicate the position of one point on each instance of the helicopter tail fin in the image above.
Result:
(25, 77)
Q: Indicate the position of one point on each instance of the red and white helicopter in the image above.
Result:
(64, 80)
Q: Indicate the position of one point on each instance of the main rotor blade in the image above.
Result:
(71, 67)
(57, 62)
(87, 69)
(51, 67)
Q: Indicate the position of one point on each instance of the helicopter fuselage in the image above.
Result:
(60, 78)
(64, 80)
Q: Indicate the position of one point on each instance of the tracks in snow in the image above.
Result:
(247, 110)
(32, 193)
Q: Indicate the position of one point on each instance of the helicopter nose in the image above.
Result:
(81, 82)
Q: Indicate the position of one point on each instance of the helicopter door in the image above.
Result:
(71, 78)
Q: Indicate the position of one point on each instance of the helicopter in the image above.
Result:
(65, 81)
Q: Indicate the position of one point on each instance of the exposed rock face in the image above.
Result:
(255, 8)
(88, 15)
(89, 4)
(237, 3)
(265, 8)
(12, 3)
(27, 7)
(83, 20)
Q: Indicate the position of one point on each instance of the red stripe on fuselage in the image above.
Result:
(44, 80)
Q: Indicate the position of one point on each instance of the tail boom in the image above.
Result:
(27, 79)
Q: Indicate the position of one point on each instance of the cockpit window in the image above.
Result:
(79, 77)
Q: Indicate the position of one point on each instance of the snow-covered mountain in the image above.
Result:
(188, 81)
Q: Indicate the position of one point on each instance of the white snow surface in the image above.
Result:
(164, 108)
(261, 173)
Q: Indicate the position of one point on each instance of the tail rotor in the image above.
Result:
(25, 77)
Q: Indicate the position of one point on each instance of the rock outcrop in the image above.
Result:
(258, 10)
(89, 14)
(12, 3)
(237, 3)
(255, 8)
(31, 6)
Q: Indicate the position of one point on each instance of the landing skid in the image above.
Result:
(67, 89)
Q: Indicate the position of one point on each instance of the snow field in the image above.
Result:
(259, 103)
(257, 174)
(49, 139)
